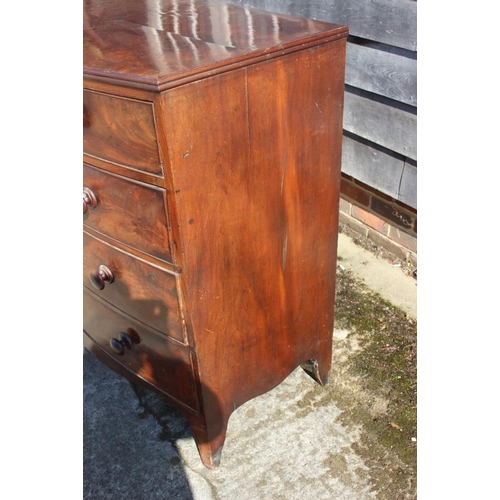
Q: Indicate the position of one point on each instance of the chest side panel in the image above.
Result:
(255, 158)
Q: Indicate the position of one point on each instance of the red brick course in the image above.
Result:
(380, 218)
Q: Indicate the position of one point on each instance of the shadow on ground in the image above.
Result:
(129, 440)
(355, 438)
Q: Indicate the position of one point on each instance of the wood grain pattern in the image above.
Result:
(154, 45)
(381, 61)
(381, 122)
(258, 208)
(408, 186)
(121, 131)
(371, 165)
(141, 290)
(393, 22)
(154, 359)
(248, 118)
(384, 73)
(131, 212)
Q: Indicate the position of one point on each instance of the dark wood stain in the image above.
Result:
(248, 125)
(129, 211)
(120, 130)
(381, 63)
(392, 22)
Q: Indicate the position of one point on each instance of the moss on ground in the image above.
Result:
(376, 384)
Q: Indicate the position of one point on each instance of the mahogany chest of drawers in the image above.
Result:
(211, 173)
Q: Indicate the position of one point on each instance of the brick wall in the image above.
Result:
(380, 218)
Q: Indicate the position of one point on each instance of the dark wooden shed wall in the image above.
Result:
(380, 115)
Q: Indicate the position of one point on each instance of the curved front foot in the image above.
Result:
(210, 440)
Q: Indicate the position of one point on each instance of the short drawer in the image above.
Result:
(129, 211)
(121, 130)
(152, 357)
(137, 288)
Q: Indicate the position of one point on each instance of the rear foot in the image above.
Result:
(311, 367)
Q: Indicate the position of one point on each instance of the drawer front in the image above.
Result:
(128, 211)
(152, 357)
(121, 131)
(137, 288)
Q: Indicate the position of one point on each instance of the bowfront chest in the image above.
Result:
(211, 173)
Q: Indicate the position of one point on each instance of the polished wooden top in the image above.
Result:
(157, 44)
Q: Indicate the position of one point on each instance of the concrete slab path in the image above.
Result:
(379, 275)
(286, 444)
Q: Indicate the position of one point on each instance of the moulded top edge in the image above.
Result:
(154, 44)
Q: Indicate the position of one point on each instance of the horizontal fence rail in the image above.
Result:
(380, 111)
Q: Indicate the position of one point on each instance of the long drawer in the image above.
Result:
(128, 211)
(121, 130)
(152, 357)
(137, 288)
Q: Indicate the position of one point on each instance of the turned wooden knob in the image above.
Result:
(124, 343)
(89, 200)
(102, 276)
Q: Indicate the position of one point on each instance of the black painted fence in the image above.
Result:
(380, 115)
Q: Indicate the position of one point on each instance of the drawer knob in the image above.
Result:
(122, 344)
(89, 200)
(102, 276)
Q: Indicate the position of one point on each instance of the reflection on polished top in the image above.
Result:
(161, 43)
